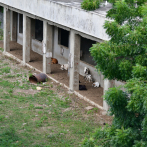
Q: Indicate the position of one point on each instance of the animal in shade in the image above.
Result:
(96, 84)
(64, 67)
(54, 61)
(86, 70)
(82, 87)
(88, 78)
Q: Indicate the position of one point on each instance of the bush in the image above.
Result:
(124, 57)
(90, 4)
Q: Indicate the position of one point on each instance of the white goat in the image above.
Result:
(64, 67)
(88, 78)
(86, 70)
(96, 84)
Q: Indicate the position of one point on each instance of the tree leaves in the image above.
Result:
(124, 57)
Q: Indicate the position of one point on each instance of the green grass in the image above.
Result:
(9, 76)
(1, 49)
(39, 120)
(5, 70)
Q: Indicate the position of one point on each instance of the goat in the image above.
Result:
(82, 87)
(96, 84)
(88, 78)
(64, 67)
(86, 70)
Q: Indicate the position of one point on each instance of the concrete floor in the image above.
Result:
(94, 94)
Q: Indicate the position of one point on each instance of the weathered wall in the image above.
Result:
(20, 38)
(37, 46)
(90, 23)
(19, 35)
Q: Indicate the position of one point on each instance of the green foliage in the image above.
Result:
(2, 117)
(127, 46)
(124, 57)
(1, 35)
(92, 111)
(90, 4)
(9, 138)
(88, 142)
(5, 70)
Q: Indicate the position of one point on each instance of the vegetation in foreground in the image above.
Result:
(124, 58)
(48, 118)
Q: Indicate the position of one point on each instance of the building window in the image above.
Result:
(63, 37)
(39, 30)
(20, 23)
(85, 55)
(1, 9)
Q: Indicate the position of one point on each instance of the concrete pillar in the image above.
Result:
(107, 84)
(75, 61)
(26, 38)
(6, 29)
(14, 26)
(47, 47)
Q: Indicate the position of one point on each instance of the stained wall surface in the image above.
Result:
(88, 22)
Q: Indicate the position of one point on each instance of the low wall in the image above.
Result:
(37, 46)
(20, 38)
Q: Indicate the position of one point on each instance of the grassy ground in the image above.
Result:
(47, 118)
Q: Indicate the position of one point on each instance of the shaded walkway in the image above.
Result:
(94, 94)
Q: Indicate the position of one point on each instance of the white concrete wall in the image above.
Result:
(37, 46)
(90, 23)
(19, 35)
(20, 38)
(119, 83)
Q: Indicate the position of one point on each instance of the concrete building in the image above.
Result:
(59, 29)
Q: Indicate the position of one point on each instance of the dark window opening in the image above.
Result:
(39, 30)
(20, 23)
(63, 37)
(1, 9)
(85, 55)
